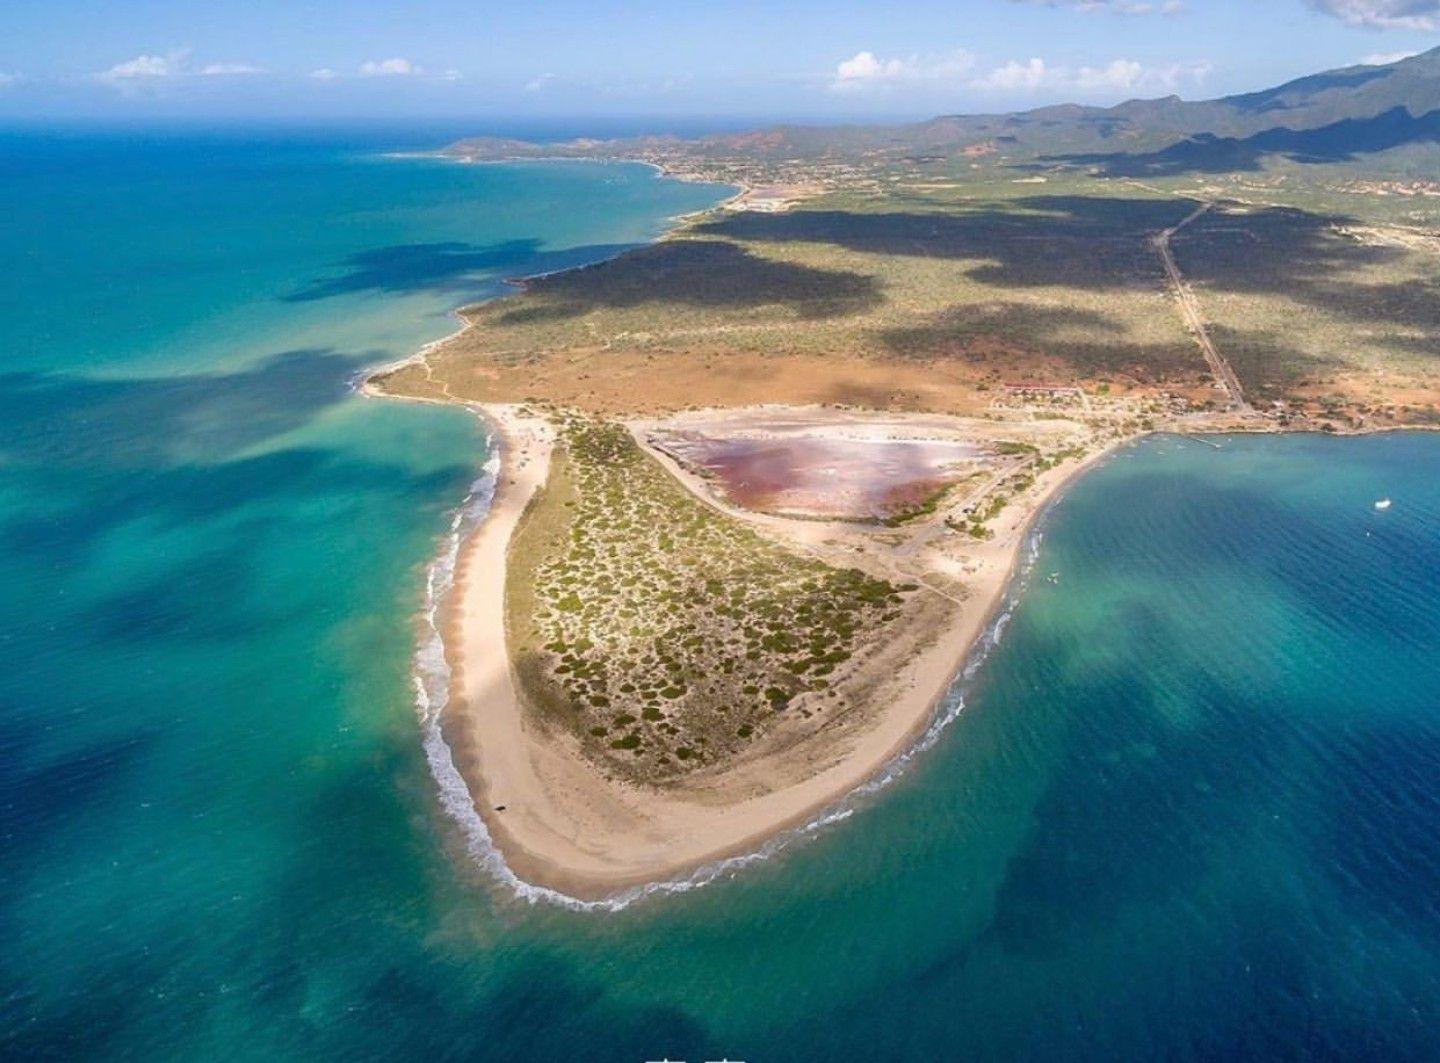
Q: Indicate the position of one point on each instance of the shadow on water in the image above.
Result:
(1377, 836)
(1187, 849)
(1074, 874)
(64, 420)
(540, 1007)
(176, 451)
(40, 793)
(1064, 883)
(40, 796)
(178, 495)
(446, 266)
(288, 946)
(207, 598)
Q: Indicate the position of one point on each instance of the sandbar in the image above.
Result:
(561, 823)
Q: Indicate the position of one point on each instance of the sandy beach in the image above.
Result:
(560, 822)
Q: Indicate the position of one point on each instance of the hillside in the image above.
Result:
(1273, 253)
(1335, 116)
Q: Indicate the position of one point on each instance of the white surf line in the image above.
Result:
(431, 679)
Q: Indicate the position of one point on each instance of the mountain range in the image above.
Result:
(1389, 113)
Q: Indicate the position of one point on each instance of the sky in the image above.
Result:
(837, 60)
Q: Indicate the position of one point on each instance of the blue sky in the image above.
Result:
(283, 59)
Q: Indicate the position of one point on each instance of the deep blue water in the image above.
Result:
(1190, 809)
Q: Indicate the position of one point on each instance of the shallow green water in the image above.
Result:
(1189, 810)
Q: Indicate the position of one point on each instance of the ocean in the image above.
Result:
(1186, 808)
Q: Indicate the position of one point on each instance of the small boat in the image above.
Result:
(1383, 505)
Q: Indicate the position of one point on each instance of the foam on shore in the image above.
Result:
(432, 676)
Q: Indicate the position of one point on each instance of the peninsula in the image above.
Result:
(763, 483)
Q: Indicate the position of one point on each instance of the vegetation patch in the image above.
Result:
(664, 635)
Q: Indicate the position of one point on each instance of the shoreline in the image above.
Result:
(742, 189)
(564, 830)
(496, 754)
(368, 381)
(529, 859)
(478, 667)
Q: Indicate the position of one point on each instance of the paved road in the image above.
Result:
(1190, 310)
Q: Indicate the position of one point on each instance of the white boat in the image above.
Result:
(1383, 504)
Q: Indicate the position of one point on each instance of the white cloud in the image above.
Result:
(1384, 14)
(324, 74)
(620, 88)
(147, 66)
(1014, 75)
(865, 70)
(8, 78)
(1116, 7)
(863, 66)
(450, 75)
(1119, 75)
(176, 64)
(1386, 58)
(228, 70)
(396, 67)
(1127, 75)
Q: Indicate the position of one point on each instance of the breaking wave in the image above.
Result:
(431, 677)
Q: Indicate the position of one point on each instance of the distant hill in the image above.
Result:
(1338, 116)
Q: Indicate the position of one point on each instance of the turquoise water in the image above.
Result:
(1190, 809)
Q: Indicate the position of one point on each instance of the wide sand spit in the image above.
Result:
(559, 822)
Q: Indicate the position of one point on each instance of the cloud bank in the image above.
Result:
(1384, 14)
(176, 64)
(1386, 58)
(1115, 7)
(381, 68)
(865, 71)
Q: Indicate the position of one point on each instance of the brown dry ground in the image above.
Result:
(929, 304)
(933, 296)
(614, 382)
